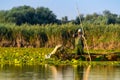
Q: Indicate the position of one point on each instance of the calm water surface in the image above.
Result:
(59, 72)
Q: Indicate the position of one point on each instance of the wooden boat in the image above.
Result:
(61, 53)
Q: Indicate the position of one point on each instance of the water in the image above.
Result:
(59, 72)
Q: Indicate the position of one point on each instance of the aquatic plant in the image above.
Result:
(34, 56)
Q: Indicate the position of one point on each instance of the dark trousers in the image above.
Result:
(79, 50)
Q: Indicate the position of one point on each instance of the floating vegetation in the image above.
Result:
(32, 56)
(23, 55)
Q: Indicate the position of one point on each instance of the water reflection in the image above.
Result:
(59, 72)
(82, 72)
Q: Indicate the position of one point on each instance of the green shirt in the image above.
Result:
(79, 41)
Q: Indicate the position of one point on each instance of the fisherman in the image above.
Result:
(79, 42)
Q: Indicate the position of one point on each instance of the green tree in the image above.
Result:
(77, 20)
(2, 15)
(20, 15)
(64, 19)
(118, 20)
(110, 17)
(44, 16)
(27, 14)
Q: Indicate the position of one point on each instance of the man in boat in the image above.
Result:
(79, 45)
(79, 42)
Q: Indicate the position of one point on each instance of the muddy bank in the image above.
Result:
(50, 44)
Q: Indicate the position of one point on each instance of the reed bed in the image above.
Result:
(98, 36)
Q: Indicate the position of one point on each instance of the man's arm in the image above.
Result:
(74, 35)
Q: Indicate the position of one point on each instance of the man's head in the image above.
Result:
(79, 30)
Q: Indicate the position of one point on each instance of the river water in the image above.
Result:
(59, 72)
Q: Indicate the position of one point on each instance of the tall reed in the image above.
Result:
(98, 36)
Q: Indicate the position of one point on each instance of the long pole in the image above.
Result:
(83, 33)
